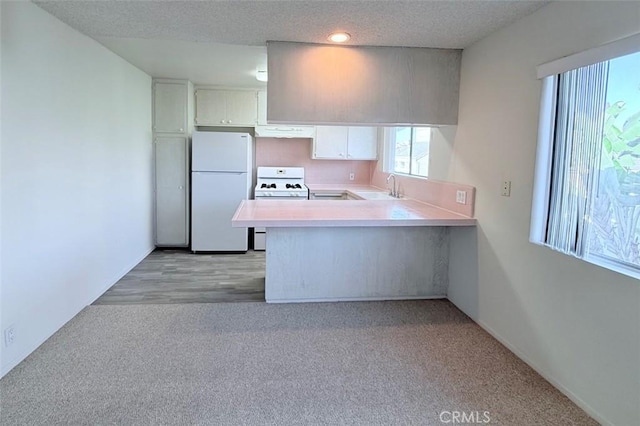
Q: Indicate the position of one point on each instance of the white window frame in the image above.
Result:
(542, 181)
(389, 153)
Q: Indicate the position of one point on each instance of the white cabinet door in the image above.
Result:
(346, 143)
(363, 143)
(169, 107)
(330, 142)
(242, 108)
(171, 156)
(211, 109)
(226, 107)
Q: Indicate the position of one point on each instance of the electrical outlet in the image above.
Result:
(352, 176)
(9, 335)
(506, 188)
(461, 197)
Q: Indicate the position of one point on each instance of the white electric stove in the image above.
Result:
(278, 183)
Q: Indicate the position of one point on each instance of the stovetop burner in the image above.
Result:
(275, 186)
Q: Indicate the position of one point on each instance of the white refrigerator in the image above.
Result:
(221, 165)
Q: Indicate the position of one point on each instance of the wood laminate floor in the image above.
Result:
(175, 276)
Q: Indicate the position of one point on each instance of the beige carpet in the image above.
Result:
(378, 363)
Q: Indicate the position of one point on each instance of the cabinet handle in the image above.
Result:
(222, 121)
(181, 187)
(229, 121)
(181, 130)
(341, 155)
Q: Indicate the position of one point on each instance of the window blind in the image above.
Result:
(581, 95)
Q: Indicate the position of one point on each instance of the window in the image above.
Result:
(587, 195)
(408, 150)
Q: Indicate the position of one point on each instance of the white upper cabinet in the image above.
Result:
(216, 107)
(345, 143)
(170, 107)
(242, 107)
(363, 143)
(211, 107)
(331, 142)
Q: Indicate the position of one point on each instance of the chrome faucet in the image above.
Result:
(392, 191)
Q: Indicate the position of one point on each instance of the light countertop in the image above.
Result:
(342, 213)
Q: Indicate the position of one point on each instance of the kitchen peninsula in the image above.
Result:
(354, 249)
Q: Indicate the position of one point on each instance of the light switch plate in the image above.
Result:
(461, 197)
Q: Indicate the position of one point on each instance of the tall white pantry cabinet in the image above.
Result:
(172, 118)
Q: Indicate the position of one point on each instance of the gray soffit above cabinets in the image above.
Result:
(322, 84)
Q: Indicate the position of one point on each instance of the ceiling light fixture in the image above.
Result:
(261, 75)
(339, 37)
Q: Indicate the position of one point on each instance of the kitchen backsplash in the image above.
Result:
(297, 153)
(438, 193)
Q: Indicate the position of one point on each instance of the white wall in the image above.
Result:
(440, 151)
(576, 323)
(76, 173)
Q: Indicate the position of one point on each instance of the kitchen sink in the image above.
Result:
(373, 195)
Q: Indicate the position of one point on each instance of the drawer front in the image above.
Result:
(259, 240)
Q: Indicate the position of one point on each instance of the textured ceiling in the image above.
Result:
(445, 24)
(223, 42)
